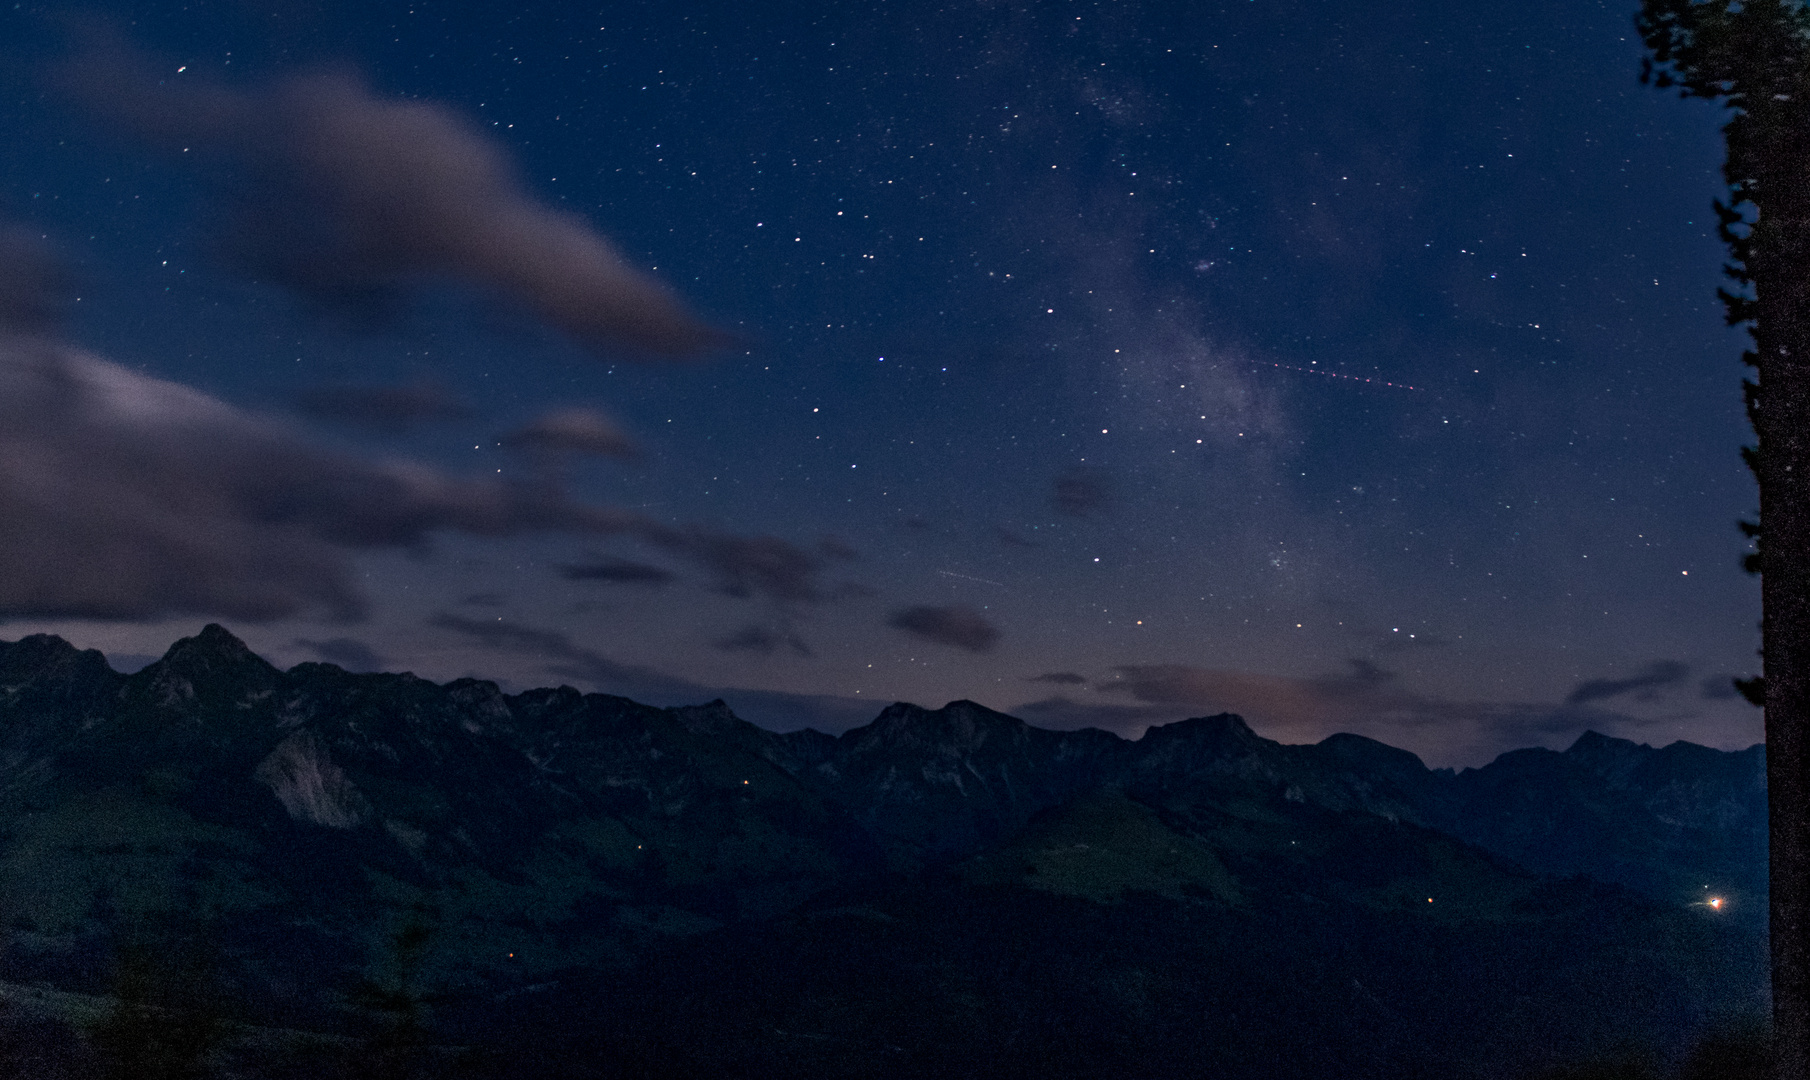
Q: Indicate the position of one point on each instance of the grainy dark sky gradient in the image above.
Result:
(1350, 368)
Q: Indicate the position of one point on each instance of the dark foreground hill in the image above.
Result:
(580, 885)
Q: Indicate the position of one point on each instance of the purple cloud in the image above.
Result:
(962, 627)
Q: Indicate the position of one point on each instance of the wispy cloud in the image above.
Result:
(962, 627)
(764, 640)
(571, 431)
(616, 572)
(560, 656)
(348, 653)
(747, 566)
(1657, 674)
(129, 497)
(1363, 698)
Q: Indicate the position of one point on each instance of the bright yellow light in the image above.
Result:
(1715, 902)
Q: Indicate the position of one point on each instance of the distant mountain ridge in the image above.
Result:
(299, 815)
(935, 783)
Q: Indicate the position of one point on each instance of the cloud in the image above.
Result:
(763, 640)
(564, 657)
(341, 194)
(1718, 687)
(32, 286)
(128, 497)
(962, 627)
(776, 710)
(1064, 678)
(572, 431)
(748, 565)
(389, 408)
(1290, 701)
(617, 572)
(1065, 714)
(1657, 674)
(348, 653)
(1364, 699)
(1081, 493)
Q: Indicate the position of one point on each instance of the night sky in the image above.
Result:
(1347, 366)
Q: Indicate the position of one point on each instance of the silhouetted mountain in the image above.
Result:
(876, 903)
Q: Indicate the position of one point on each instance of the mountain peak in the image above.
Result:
(213, 650)
(1599, 752)
(37, 649)
(1223, 729)
(40, 655)
(960, 725)
(711, 718)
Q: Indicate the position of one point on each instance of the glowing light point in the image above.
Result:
(1715, 903)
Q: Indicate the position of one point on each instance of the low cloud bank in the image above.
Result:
(1364, 699)
(128, 497)
(560, 656)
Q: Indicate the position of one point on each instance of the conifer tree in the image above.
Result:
(1753, 56)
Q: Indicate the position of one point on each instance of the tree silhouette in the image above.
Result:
(395, 1006)
(1753, 56)
(167, 1015)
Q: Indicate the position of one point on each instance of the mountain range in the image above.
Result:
(609, 888)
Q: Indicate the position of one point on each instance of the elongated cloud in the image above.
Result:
(1657, 674)
(747, 566)
(343, 194)
(616, 572)
(962, 627)
(1364, 699)
(571, 431)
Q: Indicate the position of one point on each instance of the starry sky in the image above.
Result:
(1349, 367)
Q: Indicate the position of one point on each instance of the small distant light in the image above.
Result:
(1429, 899)
(1715, 902)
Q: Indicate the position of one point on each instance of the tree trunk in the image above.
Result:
(1785, 593)
(1773, 142)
